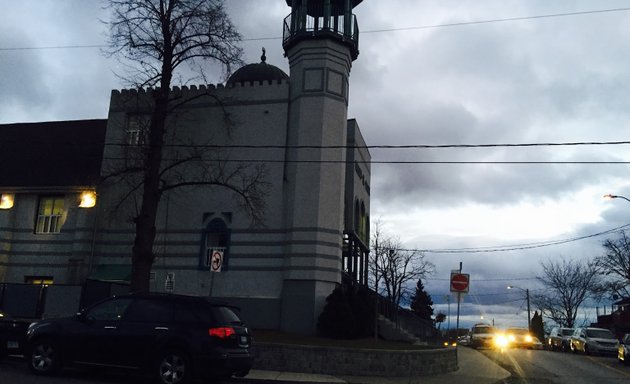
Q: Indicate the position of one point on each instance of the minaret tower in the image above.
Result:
(321, 40)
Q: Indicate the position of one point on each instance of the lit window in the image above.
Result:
(51, 214)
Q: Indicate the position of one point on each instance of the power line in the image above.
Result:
(464, 23)
(433, 26)
(485, 280)
(517, 247)
(387, 146)
(400, 162)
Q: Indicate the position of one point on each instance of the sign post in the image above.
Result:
(214, 260)
(460, 283)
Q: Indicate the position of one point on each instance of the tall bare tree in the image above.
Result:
(155, 38)
(396, 267)
(614, 264)
(568, 283)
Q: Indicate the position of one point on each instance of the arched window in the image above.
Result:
(363, 230)
(215, 240)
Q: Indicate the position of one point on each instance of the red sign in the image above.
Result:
(460, 282)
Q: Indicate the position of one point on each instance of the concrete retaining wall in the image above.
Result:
(345, 361)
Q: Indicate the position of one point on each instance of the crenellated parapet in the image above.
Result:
(203, 93)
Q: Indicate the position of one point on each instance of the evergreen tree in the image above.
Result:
(421, 303)
(538, 328)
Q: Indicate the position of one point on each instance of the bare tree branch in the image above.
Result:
(568, 283)
(398, 269)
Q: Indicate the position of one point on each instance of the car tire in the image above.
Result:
(44, 357)
(173, 367)
(587, 351)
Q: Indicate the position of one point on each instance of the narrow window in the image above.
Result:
(215, 246)
(135, 131)
(50, 215)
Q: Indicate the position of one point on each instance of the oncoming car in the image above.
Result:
(482, 335)
(172, 338)
(520, 337)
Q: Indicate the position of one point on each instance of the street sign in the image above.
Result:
(460, 282)
(214, 260)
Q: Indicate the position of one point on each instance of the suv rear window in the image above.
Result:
(226, 315)
(206, 314)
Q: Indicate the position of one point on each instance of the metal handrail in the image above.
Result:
(334, 24)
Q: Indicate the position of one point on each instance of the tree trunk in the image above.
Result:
(142, 253)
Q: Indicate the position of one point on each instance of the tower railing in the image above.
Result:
(328, 23)
(355, 258)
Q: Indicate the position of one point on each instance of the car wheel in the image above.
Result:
(173, 367)
(572, 348)
(44, 357)
(587, 351)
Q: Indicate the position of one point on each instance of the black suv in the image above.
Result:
(174, 338)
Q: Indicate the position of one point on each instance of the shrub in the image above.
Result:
(348, 313)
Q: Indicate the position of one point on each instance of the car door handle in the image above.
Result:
(161, 328)
(110, 327)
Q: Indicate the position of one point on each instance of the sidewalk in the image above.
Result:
(474, 368)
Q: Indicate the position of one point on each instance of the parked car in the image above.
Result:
(558, 339)
(173, 338)
(623, 351)
(482, 335)
(593, 340)
(12, 334)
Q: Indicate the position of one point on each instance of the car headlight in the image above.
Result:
(529, 339)
(501, 341)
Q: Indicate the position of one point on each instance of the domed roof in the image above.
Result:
(257, 73)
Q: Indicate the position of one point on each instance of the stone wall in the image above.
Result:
(350, 362)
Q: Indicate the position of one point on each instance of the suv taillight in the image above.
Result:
(221, 332)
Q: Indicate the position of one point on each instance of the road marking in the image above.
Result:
(624, 373)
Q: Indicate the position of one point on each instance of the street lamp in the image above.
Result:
(610, 197)
(529, 316)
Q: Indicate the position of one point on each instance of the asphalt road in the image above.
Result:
(13, 370)
(547, 367)
(526, 366)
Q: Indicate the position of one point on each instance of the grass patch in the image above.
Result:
(268, 336)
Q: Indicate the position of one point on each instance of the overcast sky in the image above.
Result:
(429, 72)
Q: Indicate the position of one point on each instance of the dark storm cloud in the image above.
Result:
(22, 84)
(43, 83)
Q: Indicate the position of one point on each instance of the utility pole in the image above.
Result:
(529, 314)
(376, 289)
(448, 327)
(459, 295)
